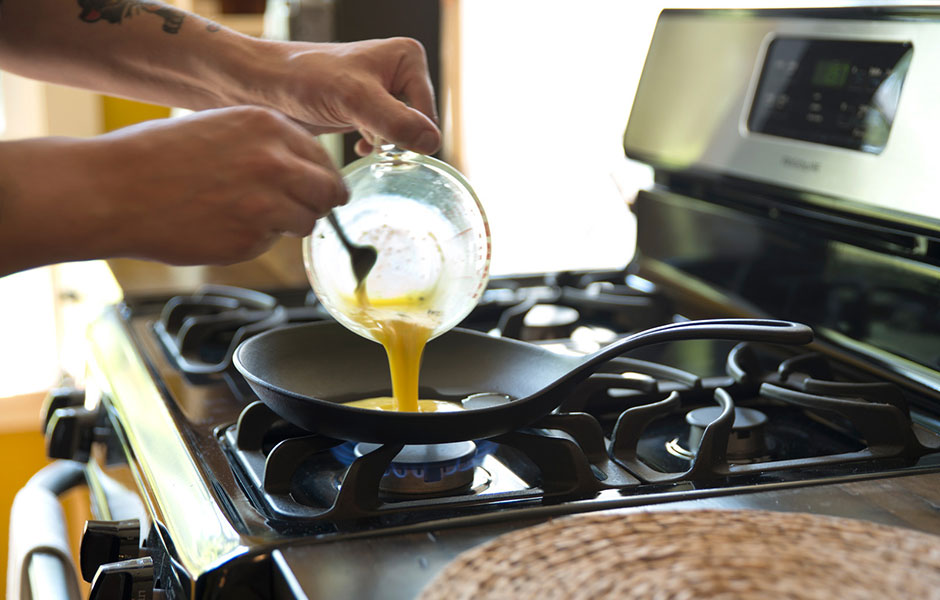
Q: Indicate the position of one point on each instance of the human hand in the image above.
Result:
(213, 187)
(379, 87)
(219, 186)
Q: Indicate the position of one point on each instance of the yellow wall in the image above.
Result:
(118, 112)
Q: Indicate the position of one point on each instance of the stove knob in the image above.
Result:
(129, 579)
(70, 433)
(62, 397)
(108, 542)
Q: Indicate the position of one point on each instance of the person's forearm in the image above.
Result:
(214, 187)
(132, 48)
(50, 207)
(153, 52)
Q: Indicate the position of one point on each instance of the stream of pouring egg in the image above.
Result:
(402, 325)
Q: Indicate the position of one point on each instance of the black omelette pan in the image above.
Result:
(305, 372)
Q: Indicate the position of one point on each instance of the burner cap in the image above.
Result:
(746, 442)
(744, 418)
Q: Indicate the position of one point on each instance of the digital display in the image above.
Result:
(831, 73)
(842, 93)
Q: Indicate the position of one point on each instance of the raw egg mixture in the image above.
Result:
(403, 326)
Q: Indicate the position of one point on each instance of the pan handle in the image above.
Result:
(745, 330)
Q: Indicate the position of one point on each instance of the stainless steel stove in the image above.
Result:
(772, 414)
(781, 140)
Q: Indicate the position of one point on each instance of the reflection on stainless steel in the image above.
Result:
(201, 530)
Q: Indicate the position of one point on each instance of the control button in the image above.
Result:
(128, 579)
(108, 542)
(846, 122)
(70, 433)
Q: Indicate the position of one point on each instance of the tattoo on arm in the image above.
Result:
(115, 11)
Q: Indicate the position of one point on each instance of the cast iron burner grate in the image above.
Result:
(292, 474)
(812, 422)
(200, 332)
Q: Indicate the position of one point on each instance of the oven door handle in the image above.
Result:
(40, 562)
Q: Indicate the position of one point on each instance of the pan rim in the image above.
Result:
(393, 415)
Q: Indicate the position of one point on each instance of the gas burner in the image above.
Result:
(425, 469)
(553, 306)
(293, 475)
(747, 442)
(776, 410)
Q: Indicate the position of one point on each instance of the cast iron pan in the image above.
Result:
(305, 372)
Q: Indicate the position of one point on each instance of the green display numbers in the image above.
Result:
(832, 73)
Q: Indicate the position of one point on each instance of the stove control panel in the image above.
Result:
(841, 93)
(835, 107)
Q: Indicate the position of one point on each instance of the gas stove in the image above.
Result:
(776, 414)
(770, 201)
(686, 420)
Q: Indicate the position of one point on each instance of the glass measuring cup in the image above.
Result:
(432, 238)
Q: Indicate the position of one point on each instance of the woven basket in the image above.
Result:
(697, 554)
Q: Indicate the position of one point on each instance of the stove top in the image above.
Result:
(690, 415)
(682, 420)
